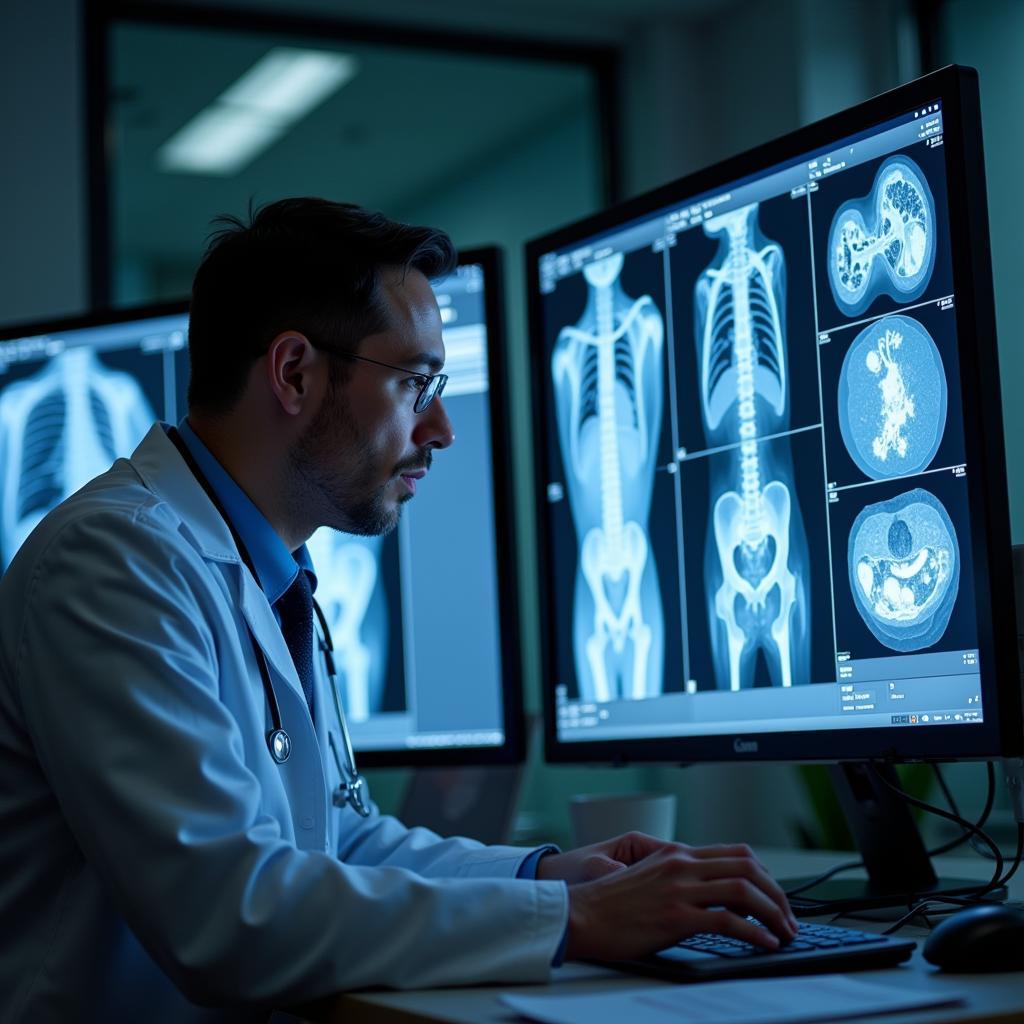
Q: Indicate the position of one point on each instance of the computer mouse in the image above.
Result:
(979, 939)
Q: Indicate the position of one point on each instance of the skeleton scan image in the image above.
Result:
(59, 428)
(608, 376)
(885, 241)
(904, 563)
(892, 398)
(348, 571)
(757, 557)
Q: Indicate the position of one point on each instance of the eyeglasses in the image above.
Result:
(431, 385)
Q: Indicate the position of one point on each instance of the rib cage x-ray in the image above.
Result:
(756, 557)
(607, 374)
(347, 573)
(905, 569)
(60, 428)
(884, 242)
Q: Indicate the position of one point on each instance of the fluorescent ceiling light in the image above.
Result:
(289, 83)
(280, 89)
(219, 140)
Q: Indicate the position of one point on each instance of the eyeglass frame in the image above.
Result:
(420, 405)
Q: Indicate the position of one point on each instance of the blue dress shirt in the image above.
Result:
(276, 566)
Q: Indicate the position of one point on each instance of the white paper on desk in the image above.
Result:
(765, 1001)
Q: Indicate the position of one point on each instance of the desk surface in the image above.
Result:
(989, 998)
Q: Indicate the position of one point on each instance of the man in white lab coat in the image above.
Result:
(159, 860)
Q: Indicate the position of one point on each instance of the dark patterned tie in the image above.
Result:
(295, 606)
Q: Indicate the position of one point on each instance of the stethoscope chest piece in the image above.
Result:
(351, 793)
(280, 744)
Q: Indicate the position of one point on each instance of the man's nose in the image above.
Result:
(433, 428)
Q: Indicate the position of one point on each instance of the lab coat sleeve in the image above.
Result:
(384, 840)
(117, 671)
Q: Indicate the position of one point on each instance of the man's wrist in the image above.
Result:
(529, 868)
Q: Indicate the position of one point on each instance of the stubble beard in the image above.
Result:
(348, 502)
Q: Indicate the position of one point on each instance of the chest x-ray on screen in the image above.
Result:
(60, 427)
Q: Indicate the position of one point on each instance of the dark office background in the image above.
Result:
(497, 121)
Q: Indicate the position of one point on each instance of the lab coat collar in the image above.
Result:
(166, 475)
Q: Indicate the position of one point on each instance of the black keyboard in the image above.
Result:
(817, 947)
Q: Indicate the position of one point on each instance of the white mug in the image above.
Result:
(598, 816)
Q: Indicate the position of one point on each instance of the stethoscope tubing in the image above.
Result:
(278, 740)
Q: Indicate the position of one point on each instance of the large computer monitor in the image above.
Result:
(423, 620)
(771, 492)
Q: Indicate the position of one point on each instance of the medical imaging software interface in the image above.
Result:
(756, 485)
(417, 653)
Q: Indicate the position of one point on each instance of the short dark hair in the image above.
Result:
(302, 264)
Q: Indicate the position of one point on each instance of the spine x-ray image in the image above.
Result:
(353, 601)
(757, 556)
(58, 429)
(892, 398)
(905, 569)
(885, 241)
(608, 378)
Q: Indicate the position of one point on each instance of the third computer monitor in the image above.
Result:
(771, 490)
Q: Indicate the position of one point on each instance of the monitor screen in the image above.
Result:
(771, 499)
(423, 620)
(76, 395)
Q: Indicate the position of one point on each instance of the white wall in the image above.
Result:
(43, 270)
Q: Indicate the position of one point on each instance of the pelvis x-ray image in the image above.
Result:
(892, 398)
(350, 593)
(905, 569)
(58, 429)
(608, 377)
(885, 241)
(757, 558)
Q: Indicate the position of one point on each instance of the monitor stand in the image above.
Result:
(890, 844)
(476, 802)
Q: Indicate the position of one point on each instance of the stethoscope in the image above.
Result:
(352, 788)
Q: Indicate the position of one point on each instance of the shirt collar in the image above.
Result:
(276, 566)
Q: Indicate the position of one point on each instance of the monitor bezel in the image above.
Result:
(1001, 734)
(38, 328)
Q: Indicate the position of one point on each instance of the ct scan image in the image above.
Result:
(905, 549)
(881, 236)
(891, 390)
(904, 563)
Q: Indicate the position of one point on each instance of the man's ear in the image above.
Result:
(291, 359)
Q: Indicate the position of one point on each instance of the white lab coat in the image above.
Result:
(152, 854)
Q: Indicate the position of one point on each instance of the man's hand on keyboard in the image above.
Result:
(634, 895)
(590, 862)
